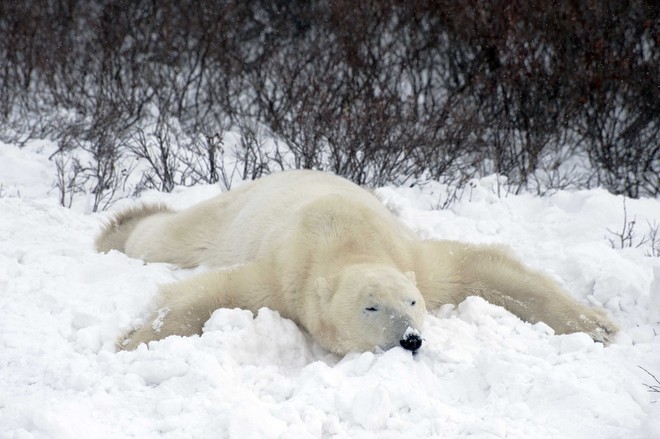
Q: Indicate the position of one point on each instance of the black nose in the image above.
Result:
(412, 342)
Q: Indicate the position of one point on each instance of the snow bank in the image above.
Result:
(482, 373)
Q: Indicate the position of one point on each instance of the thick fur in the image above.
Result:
(116, 232)
(328, 255)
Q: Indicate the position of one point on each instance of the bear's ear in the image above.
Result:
(411, 275)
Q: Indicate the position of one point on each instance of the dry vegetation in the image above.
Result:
(377, 91)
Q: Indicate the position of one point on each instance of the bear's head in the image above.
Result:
(375, 307)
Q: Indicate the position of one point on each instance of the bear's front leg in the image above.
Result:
(184, 307)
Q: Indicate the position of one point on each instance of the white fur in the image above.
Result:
(328, 255)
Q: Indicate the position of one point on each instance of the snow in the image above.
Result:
(411, 332)
(481, 373)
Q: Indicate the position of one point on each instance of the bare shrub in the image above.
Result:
(627, 237)
(251, 153)
(203, 159)
(91, 165)
(655, 386)
(158, 150)
(376, 91)
(70, 177)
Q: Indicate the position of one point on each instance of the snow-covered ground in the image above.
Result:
(482, 373)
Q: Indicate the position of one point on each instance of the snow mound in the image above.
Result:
(481, 373)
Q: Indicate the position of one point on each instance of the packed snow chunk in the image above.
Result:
(88, 339)
(372, 407)
(493, 322)
(155, 371)
(410, 332)
(362, 363)
(476, 310)
(650, 427)
(654, 305)
(357, 364)
(169, 407)
(265, 339)
(252, 421)
(577, 342)
(229, 320)
(68, 419)
(282, 338)
(642, 334)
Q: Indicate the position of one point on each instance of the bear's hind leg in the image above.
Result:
(492, 273)
(533, 296)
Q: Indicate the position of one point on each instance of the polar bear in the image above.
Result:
(330, 256)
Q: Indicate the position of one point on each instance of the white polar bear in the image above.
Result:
(329, 255)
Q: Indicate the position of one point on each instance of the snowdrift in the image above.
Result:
(482, 373)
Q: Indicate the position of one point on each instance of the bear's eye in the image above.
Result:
(371, 309)
(413, 303)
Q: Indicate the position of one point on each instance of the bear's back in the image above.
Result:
(265, 214)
